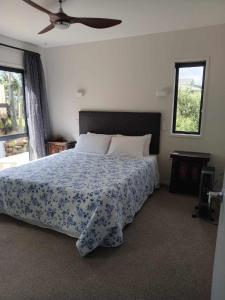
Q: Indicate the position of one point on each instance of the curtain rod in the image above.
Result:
(17, 48)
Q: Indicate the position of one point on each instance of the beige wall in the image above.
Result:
(125, 74)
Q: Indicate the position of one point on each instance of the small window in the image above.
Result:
(188, 97)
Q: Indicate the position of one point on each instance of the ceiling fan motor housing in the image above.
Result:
(62, 24)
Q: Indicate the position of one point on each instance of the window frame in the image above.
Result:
(10, 137)
(188, 64)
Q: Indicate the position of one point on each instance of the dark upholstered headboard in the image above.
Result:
(126, 123)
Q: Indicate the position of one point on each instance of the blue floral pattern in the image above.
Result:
(89, 197)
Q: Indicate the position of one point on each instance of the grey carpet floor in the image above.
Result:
(166, 255)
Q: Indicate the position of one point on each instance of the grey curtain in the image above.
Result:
(36, 105)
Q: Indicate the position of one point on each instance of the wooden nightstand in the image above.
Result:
(186, 171)
(59, 146)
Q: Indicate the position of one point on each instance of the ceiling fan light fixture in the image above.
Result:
(62, 25)
(61, 20)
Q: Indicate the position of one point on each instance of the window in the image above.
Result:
(13, 125)
(188, 97)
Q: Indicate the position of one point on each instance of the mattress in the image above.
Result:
(89, 197)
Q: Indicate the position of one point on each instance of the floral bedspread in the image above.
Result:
(89, 197)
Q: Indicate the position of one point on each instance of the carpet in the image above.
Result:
(166, 255)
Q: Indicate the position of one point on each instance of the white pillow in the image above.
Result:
(132, 146)
(147, 138)
(98, 143)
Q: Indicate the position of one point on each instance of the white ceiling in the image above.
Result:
(20, 21)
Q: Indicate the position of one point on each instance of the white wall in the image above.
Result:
(218, 287)
(125, 74)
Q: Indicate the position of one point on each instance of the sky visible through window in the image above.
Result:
(192, 73)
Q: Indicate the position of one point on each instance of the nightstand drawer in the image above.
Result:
(57, 146)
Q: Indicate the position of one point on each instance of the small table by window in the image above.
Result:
(186, 171)
(59, 146)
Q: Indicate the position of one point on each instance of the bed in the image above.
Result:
(89, 197)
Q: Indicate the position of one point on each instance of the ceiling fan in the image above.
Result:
(62, 21)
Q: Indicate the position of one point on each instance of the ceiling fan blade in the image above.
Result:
(46, 29)
(98, 23)
(31, 3)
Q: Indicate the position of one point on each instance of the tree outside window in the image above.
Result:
(188, 98)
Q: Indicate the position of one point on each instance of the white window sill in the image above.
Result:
(183, 135)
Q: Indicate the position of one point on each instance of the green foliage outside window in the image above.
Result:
(12, 115)
(188, 109)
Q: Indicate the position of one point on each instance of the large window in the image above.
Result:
(13, 125)
(188, 97)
